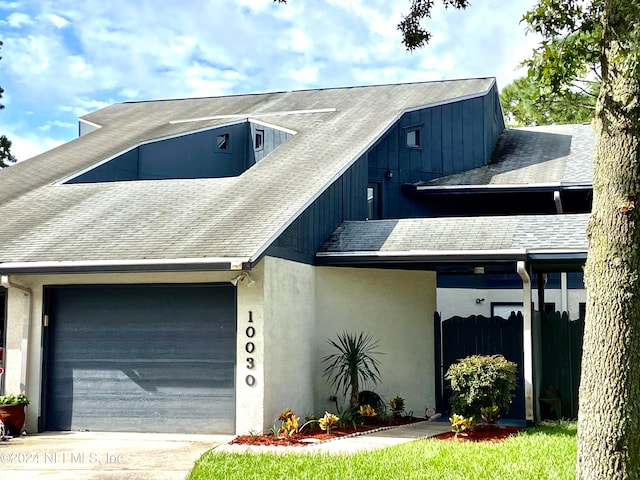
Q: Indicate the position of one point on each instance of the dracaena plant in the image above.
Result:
(353, 364)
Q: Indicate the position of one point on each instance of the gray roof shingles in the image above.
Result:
(204, 218)
(555, 154)
(418, 235)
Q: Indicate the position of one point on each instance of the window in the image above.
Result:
(413, 138)
(222, 141)
(259, 140)
(373, 201)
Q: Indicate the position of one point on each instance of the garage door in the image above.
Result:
(141, 358)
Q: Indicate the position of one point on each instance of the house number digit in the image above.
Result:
(250, 347)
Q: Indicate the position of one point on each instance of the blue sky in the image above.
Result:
(64, 58)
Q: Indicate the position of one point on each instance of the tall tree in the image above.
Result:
(6, 158)
(576, 35)
(523, 106)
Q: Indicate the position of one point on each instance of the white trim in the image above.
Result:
(234, 261)
(423, 253)
(361, 152)
(92, 124)
(254, 115)
(271, 125)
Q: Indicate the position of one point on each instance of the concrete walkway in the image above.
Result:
(104, 456)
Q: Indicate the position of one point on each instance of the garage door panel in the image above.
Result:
(118, 356)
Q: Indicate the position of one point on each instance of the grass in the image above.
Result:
(543, 452)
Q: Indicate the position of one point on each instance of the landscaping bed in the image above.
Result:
(313, 436)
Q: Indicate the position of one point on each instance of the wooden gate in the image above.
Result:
(561, 354)
(459, 337)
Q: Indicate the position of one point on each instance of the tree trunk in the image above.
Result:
(609, 411)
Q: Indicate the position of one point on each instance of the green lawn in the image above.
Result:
(538, 453)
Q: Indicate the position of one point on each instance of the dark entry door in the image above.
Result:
(141, 358)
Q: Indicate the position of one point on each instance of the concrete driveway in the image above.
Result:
(104, 456)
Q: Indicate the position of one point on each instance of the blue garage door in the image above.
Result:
(141, 358)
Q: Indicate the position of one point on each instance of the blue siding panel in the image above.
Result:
(345, 199)
(455, 137)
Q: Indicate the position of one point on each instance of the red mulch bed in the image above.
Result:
(311, 436)
(482, 433)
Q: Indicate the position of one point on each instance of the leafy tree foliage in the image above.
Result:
(523, 106)
(6, 158)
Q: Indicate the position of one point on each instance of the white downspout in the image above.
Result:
(527, 344)
(26, 326)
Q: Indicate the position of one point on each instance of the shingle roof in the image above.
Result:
(555, 154)
(417, 236)
(205, 218)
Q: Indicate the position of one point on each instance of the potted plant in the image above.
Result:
(12, 412)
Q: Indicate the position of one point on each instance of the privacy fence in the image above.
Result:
(557, 346)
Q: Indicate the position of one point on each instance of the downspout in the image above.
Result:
(26, 326)
(564, 294)
(527, 344)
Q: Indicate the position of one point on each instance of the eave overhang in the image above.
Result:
(126, 266)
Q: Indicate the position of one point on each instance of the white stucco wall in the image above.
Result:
(289, 336)
(395, 307)
(249, 415)
(462, 301)
(293, 309)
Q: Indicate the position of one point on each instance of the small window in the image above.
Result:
(222, 141)
(259, 140)
(373, 201)
(413, 138)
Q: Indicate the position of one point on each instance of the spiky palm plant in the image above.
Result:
(353, 363)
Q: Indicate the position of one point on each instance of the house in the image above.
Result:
(180, 265)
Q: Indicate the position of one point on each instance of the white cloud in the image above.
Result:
(81, 56)
(57, 20)
(17, 20)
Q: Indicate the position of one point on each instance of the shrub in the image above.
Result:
(290, 424)
(328, 422)
(461, 425)
(397, 406)
(481, 381)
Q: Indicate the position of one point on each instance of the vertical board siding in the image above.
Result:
(193, 155)
(345, 199)
(455, 137)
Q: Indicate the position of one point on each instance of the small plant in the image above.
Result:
(490, 415)
(397, 406)
(353, 364)
(20, 399)
(310, 420)
(367, 411)
(481, 380)
(290, 424)
(275, 431)
(328, 422)
(461, 425)
(349, 417)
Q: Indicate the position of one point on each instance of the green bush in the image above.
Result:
(481, 381)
